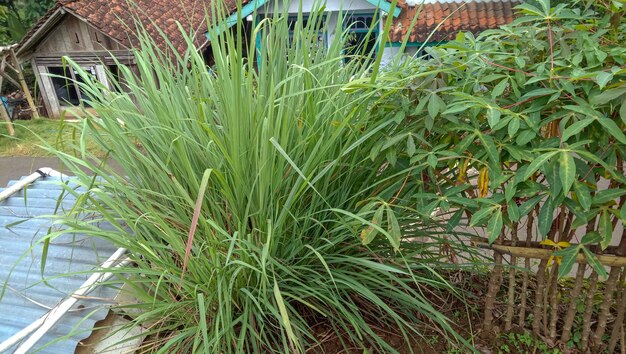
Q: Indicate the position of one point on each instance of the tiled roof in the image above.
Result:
(473, 16)
(24, 297)
(117, 19)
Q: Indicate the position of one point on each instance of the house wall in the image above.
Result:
(307, 5)
(332, 9)
(84, 44)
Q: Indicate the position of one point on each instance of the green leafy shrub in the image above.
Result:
(523, 120)
(247, 192)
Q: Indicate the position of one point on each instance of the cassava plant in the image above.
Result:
(521, 129)
(248, 202)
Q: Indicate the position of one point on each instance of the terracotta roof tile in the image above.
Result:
(118, 18)
(454, 17)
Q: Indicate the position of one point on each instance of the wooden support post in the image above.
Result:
(2, 64)
(20, 77)
(5, 117)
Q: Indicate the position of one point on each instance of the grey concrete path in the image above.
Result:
(15, 167)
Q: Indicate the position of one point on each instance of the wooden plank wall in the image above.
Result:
(74, 35)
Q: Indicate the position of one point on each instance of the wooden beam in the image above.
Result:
(4, 75)
(540, 253)
(7, 119)
(7, 65)
(20, 77)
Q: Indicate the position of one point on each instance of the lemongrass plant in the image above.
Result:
(248, 199)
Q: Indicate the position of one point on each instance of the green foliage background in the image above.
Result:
(16, 16)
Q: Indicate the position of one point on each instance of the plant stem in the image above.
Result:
(618, 327)
(571, 309)
(522, 307)
(511, 291)
(494, 285)
(593, 283)
(605, 307)
(537, 309)
(554, 304)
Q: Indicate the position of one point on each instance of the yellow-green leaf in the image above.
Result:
(567, 171)
(605, 229)
(546, 215)
(393, 229)
(284, 315)
(583, 195)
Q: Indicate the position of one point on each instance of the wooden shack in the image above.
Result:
(96, 33)
(64, 34)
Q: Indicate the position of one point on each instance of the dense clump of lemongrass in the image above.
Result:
(246, 191)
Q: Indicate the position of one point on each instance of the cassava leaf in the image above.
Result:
(567, 171)
(593, 261)
(537, 163)
(546, 215)
(605, 229)
(575, 128)
(494, 227)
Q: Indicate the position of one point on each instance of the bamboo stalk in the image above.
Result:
(593, 283)
(618, 327)
(605, 307)
(571, 310)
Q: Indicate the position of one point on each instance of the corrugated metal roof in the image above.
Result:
(26, 296)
